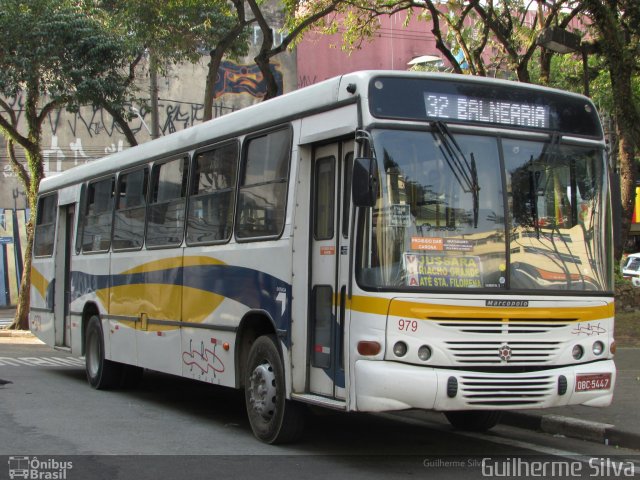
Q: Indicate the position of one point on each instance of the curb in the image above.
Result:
(603, 433)
(4, 333)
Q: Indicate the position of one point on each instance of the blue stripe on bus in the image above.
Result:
(252, 288)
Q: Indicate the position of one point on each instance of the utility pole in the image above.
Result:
(153, 93)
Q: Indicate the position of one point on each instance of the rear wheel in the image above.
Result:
(273, 418)
(474, 420)
(102, 374)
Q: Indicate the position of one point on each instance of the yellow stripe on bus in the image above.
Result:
(162, 302)
(39, 282)
(426, 311)
(173, 262)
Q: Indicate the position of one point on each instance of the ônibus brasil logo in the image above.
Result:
(35, 469)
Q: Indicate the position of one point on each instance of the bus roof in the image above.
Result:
(314, 98)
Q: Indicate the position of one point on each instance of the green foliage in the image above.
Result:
(61, 50)
(177, 30)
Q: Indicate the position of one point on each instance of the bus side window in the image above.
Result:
(165, 225)
(131, 205)
(213, 187)
(262, 199)
(98, 214)
(45, 226)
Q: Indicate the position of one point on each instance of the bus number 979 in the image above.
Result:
(407, 325)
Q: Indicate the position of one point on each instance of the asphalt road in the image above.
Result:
(174, 428)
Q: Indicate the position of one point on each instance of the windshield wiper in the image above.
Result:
(465, 172)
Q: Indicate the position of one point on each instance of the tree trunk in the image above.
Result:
(36, 172)
(628, 123)
(153, 95)
(21, 319)
(212, 75)
(545, 66)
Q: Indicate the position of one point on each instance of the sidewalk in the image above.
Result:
(618, 424)
(6, 316)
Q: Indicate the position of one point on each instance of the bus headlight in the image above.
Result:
(400, 349)
(577, 352)
(598, 348)
(424, 353)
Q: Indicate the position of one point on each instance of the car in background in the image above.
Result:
(631, 269)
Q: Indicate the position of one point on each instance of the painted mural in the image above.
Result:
(237, 78)
(12, 241)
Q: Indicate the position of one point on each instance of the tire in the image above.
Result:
(273, 418)
(102, 374)
(474, 420)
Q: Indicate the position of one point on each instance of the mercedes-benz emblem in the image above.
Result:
(505, 353)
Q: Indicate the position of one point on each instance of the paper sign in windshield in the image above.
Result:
(428, 270)
(435, 244)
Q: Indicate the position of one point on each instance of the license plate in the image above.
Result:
(596, 381)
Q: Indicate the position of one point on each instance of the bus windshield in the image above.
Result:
(469, 211)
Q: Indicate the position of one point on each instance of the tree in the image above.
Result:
(231, 38)
(617, 26)
(56, 54)
(466, 30)
(177, 31)
(299, 15)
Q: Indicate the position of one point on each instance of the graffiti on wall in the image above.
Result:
(236, 78)
(12, 242)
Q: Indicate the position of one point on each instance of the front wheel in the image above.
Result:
(273, 418)
(474, 420)
(102, 374)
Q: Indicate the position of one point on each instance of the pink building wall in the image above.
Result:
(321, 56)
(394, 45)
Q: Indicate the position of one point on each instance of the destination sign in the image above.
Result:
(470, 109)
(428, 270)
(465, 100)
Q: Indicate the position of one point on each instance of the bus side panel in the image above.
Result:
(145, 308)
(41, 316)
(208, 356)
(300, 287)
(122, 320)
(222, 284)
(90, 283)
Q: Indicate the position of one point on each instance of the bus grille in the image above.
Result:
(506, 390)
(489, 353)
(508, 327)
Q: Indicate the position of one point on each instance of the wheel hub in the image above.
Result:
(93, 356)
(262, 391)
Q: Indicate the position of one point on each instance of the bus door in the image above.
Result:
(62, 299)
(330, 200)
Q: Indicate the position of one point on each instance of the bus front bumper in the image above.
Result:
(385, 386)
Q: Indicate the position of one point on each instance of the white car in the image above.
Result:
(631, 269)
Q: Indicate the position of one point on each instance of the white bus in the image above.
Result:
(379, 241)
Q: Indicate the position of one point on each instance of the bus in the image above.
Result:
(379, 241)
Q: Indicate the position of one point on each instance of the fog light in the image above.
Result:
(400, 349)
(598, 348)
(424, 353)
(562, 385)
(577, 352)
(452, 387)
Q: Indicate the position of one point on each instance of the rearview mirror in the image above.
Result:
(364, 183)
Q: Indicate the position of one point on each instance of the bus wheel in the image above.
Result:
(273, 418)
(102, 374)
(474, 420)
